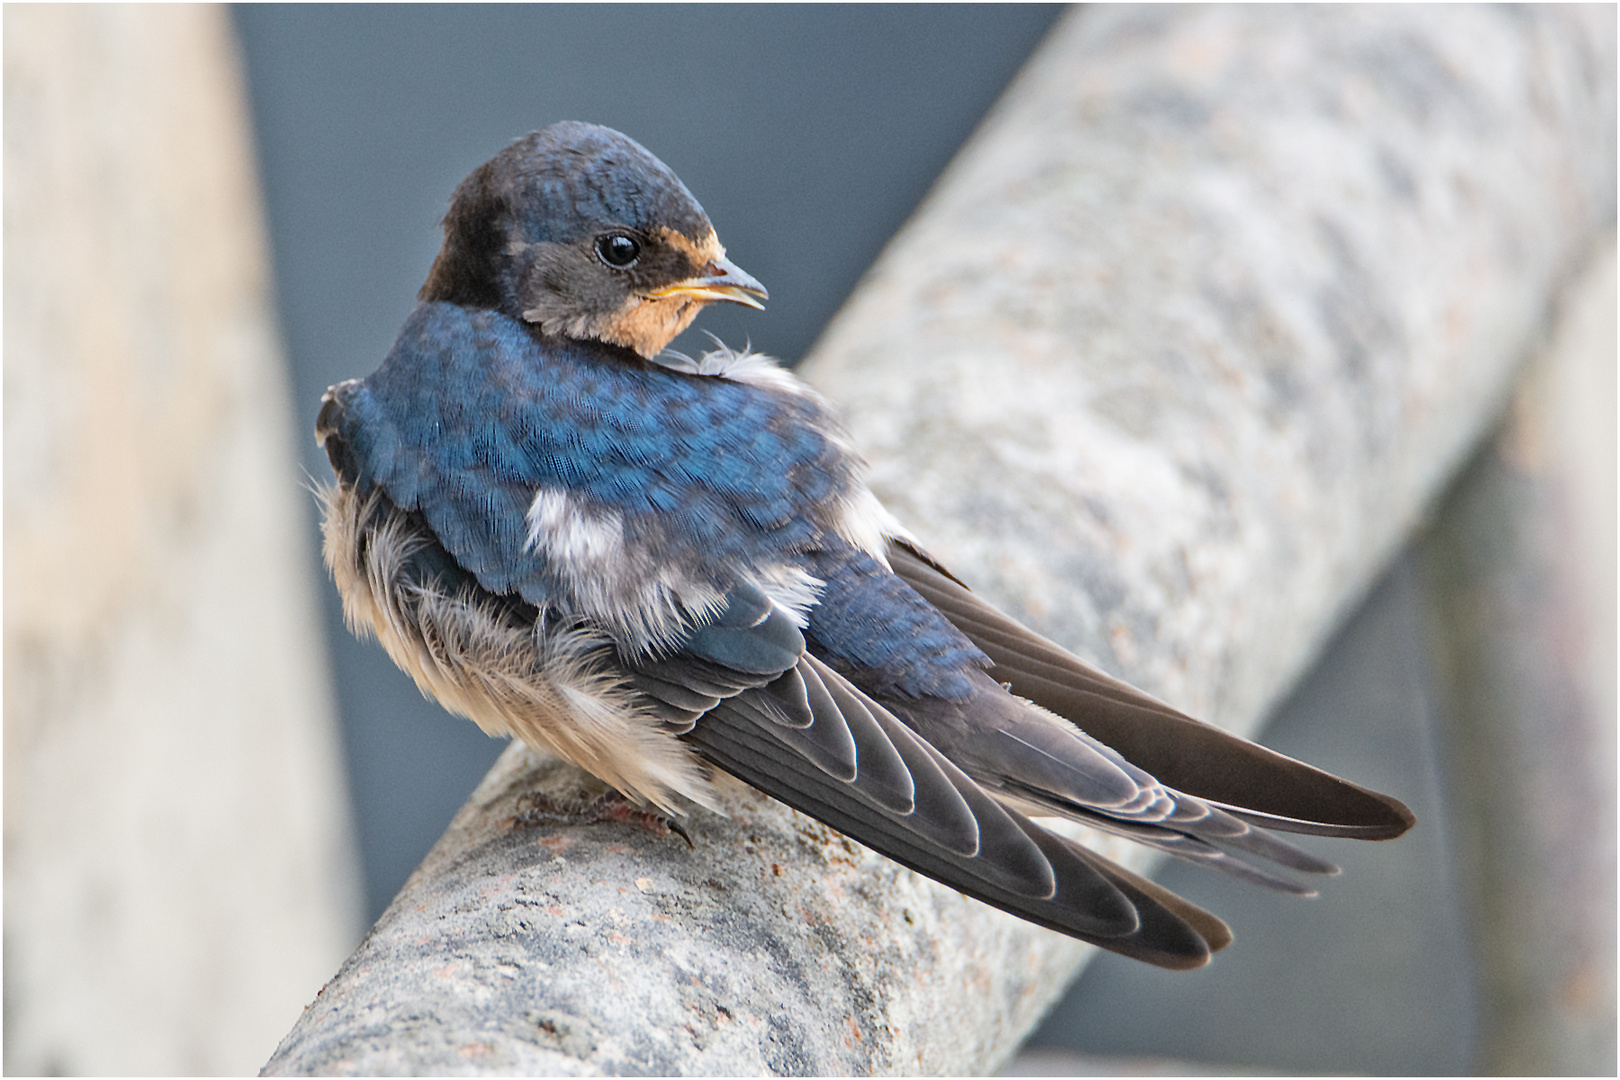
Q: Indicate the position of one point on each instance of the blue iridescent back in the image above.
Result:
(470, 415)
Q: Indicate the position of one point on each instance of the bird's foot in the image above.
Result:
(540, 808)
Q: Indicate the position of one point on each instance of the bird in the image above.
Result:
(665, 569)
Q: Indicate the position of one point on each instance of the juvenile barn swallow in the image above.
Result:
(657, 567)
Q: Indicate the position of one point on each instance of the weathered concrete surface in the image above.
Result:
(774, 945)
(1176, 353)
(1521, 564)
(179, 876)
(1213, 304)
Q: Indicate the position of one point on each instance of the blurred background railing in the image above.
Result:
(180, 865)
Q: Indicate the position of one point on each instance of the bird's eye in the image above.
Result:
(618, 250)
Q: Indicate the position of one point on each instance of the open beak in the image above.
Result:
(722, 279)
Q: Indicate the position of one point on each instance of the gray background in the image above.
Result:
(809, 134)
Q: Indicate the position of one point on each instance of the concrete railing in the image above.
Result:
(1174, 357)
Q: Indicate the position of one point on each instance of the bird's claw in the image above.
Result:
(536, 809)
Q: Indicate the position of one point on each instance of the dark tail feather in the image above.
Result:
(1202, 760)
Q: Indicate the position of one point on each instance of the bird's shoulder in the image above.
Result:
(875, 628)
(473, 390)
(557, 469)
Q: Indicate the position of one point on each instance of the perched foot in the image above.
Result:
(538, 808)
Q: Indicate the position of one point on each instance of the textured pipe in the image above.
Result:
(1211, 306)
(1174, 356)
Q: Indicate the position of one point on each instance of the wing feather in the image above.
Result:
(1243, 778)
(1089, 897)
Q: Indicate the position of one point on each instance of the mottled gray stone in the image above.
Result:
(774, 945)
(1211, 306)
(1177, 352)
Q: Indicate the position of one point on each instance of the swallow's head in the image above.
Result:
(579, 231)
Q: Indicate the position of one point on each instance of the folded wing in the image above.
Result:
(1222, 770)
(807, 736)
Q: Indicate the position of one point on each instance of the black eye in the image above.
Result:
(618, 250)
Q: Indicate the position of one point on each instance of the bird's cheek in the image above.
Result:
(549, 278)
